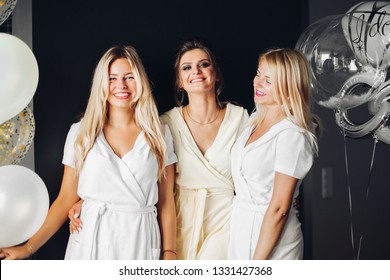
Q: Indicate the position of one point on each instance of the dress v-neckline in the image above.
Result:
(262, 137)
(216, 137)
(128, 152)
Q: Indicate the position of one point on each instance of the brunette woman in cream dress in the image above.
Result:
(204, 132)
(270, 158)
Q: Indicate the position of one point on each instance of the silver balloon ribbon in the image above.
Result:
(368, 189)
(357, 256)
(349, 193)
(371, 166)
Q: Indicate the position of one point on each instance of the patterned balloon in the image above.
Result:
(6, 7)
(362, 38)
(16, 136)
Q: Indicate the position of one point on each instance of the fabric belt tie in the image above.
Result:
(200, 195)
(97, 210)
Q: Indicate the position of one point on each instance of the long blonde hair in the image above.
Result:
(290, 80)
(145, 110)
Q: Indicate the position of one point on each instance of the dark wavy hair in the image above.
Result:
(188, 45)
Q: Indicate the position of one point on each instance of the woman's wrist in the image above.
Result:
(168, 251)
(168, 254)
(30, 248)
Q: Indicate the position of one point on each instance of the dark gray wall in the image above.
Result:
(331, 221)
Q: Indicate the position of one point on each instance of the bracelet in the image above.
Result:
(166, 251)
(31, 247)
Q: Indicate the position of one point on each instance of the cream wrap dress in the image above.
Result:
(120, 194)
(204, 188)
(285, 148)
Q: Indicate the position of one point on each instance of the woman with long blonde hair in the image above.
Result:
(119, 160)
(270, 158)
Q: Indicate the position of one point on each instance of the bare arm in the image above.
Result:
(75, 224)
(55, 218)
(276, 215)
(167, 213)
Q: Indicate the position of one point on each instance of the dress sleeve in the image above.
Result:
(68, 158)
(294, 154)
(171, 156)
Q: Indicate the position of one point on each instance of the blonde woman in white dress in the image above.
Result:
(270, 158)
(120, 161)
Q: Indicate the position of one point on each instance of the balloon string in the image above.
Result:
(349, 193)
(360, 244)
(368, 188)
(371, 166)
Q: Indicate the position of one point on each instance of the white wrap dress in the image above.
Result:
(204, 188)
(285, 148)
(120, 194)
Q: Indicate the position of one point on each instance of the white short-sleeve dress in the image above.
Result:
(120, 194)
(285, 148)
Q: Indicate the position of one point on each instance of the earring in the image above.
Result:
(182, 91)
(180, 96)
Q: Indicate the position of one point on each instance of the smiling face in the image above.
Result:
(196, 72)
(122, 83)
(263, 89)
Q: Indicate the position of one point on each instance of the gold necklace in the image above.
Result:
(210, 122)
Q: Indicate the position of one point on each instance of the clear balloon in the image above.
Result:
(6, 8)
(340, 78)
(18, 76)
(24, 202)
(16, 136)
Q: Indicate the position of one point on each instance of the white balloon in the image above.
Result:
(18, 76)
(24, 202)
